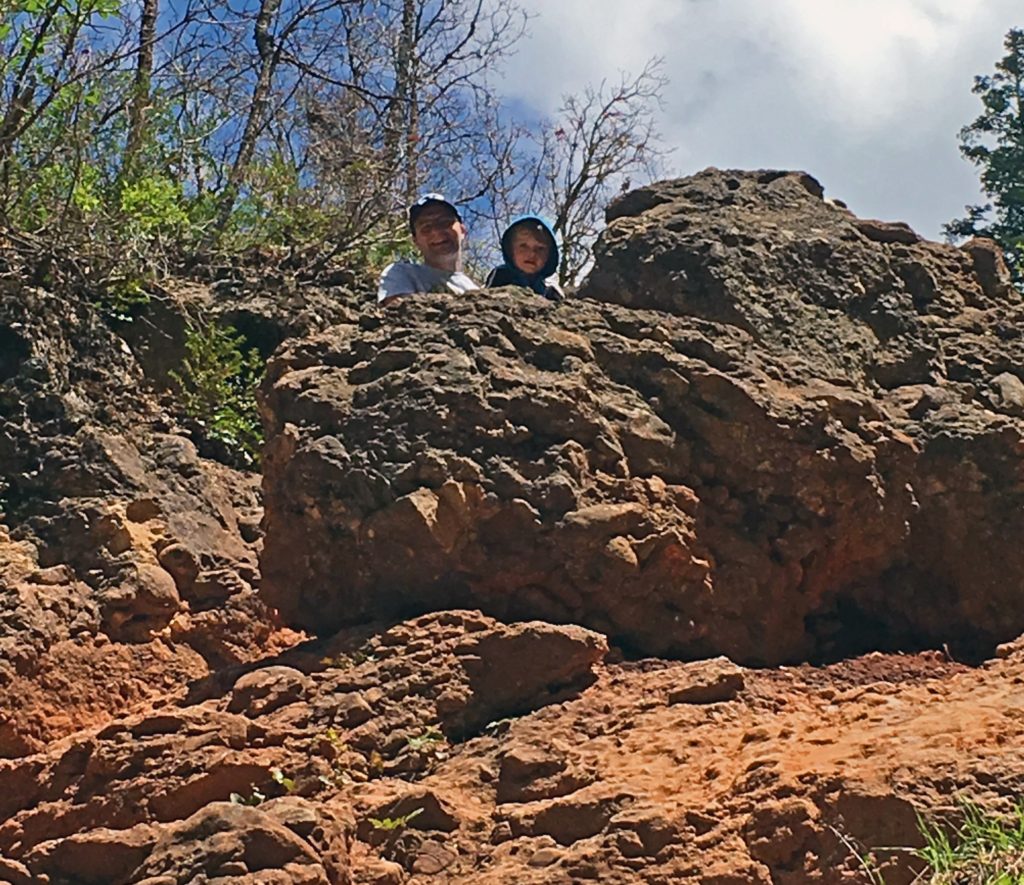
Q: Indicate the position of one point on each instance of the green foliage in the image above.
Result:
(277, 208)
(391, 824)
(153, 203)
(339, 776)
(286, 783)
(994, 142)
(120, 297)
(119, 165)
(333, 738)
(982, 849)
(217, 385)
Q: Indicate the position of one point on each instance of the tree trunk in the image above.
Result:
(269, 56)
(401, 148)
(143, 80)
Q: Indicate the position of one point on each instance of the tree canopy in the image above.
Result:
(994, 142)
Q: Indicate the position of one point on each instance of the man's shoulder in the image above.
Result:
(460, 283)
(404, 278)
(404, 269)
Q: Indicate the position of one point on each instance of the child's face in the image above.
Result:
(530, 252)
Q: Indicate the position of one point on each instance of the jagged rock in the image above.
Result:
(280, 735)
(529, 773)
(721, 462)
(99, 857)
(508, 668)
(44, 608)
(266, 690)
(246, 844)
(455, 672)
(129, 531)
(709, 682)
(424, 809)
(568, 819)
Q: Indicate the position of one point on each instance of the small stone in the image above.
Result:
(711, 683)
(629, 844)
(267, 689)
(432, 859)
(502, 832)
(544, 857)
(382, 872)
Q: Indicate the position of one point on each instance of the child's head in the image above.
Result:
(529, 246)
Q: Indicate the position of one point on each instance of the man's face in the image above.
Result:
(530, 251)
(438, 234)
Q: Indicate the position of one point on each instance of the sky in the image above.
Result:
(866, 95)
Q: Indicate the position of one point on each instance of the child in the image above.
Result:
(531, 256)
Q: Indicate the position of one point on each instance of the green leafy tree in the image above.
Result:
(994, 142)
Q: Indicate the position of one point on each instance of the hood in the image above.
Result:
(506, 242)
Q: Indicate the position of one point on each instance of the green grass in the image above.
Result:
(982, 850)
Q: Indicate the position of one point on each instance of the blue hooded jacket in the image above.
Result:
(508, 274)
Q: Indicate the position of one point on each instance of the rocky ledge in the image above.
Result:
(766, 429)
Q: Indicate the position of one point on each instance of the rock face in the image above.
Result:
(246, 783)
(114, 527)
(95, 477)
(768, 429)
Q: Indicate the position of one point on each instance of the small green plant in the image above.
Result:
(256, 797)
(286, 783)
(335, 740)
(391, 824)
(218, 389)
(983, 848)
(429, 740)
(122, 296)
(339, 776)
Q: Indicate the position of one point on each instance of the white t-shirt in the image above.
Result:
(404, 278)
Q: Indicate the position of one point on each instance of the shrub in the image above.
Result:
(217, 385)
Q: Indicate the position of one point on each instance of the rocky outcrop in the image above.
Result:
(246, 782)
(115, 529)
(768, 429)
(97, 478)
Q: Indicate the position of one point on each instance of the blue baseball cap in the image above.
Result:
(429, 200)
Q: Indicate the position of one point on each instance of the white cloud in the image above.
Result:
(867, 95)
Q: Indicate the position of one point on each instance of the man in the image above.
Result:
(531, 257)
(439, 234)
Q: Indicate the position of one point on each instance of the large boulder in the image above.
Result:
(768, 429)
